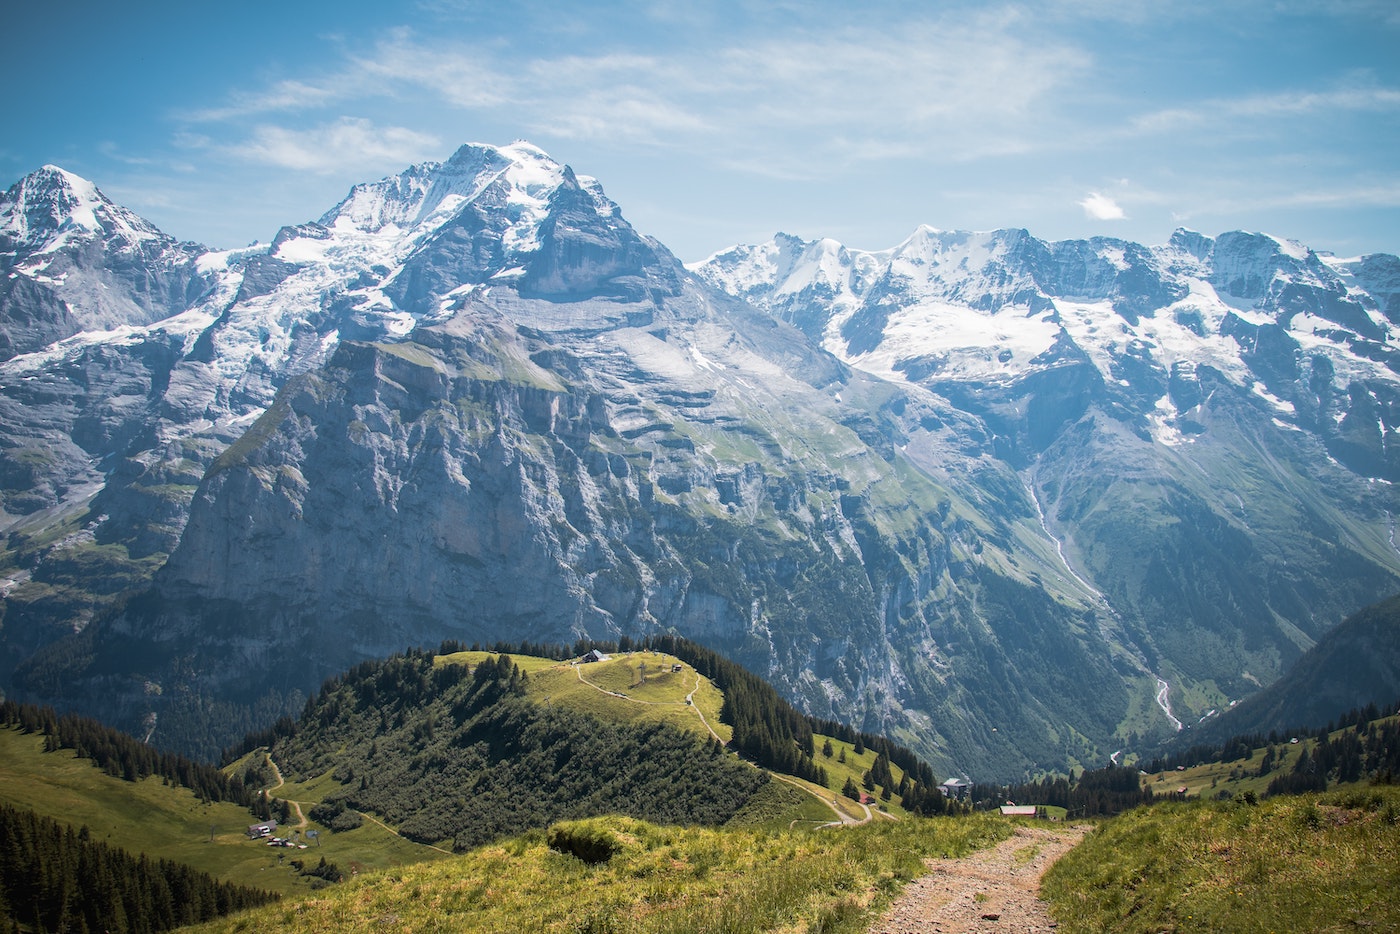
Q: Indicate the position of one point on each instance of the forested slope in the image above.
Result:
(448, 753)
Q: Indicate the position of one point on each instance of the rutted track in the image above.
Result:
(993, 889)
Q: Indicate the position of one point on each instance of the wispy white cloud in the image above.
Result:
(288, 95)
(114, 152)
(952, 88)
(1101, 207)
(629, 114)
(348, 144)
(1228, 111)
(460, 75)
(1351, 197)
(954, 113)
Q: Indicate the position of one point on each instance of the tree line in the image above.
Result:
(55, 878)
(1358, 752)
(453, 754)
(1095, 792)
(766, 728)
(121, 755)
(1242, 745)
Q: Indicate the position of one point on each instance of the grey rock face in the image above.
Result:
(71, 260)
(1200, 423)
(413, 491)
(1023, 481)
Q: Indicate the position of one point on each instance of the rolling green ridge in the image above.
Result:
(458, 756)
(165, 821)
(662, 879)
(391, 728)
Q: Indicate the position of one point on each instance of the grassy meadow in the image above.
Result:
(658, 879)
(170, 822)
(1316, 862)
(613, 690)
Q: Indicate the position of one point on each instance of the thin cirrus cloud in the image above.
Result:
(1227, 111)
(952, 88)
(281, 96)
(329, 147)
(1100, 207)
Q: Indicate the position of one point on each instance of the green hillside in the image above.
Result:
(169, 822)
(1354, 664)
(522, 763)
(1313, 862)
(628, 709)
(621, 875)
(457, 755)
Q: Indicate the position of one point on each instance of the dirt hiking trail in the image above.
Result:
(992, 890)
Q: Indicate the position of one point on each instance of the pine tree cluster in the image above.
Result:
(1097, 792)
(447, 753)
(1358, 752)
(121, 755)
(54, 878)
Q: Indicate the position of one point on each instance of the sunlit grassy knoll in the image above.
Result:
(527, 663)
(659, 879)
(1328, 862)
(780, 806)
(613, 690)
(595, 688)
(854, 767)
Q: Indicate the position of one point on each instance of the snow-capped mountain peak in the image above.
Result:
(75, 261)
(423, 196)
(43, 210)
(942, 307)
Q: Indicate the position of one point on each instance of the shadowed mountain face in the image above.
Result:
(982, 512)
(1355, 664)
(1205, 426)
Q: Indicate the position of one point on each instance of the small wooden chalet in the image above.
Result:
(957, 788)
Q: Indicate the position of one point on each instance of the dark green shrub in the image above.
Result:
(588, 842)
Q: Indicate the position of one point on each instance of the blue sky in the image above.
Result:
(718, 123)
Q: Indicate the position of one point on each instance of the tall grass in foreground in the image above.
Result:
(1328, 862)
(643, 878)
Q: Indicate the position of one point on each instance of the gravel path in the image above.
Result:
(993, 890)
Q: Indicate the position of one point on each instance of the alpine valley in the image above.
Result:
(1015, 504)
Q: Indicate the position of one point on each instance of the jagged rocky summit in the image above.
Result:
(986, 494)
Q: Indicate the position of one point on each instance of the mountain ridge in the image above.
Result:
(518, 403)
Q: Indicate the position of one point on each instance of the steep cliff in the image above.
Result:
(1017, 504)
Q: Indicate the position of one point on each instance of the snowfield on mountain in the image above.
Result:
(980, 492)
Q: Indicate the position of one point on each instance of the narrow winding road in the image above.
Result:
(296, 805)
(302, 822)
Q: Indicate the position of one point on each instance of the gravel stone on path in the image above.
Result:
(992, 890)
